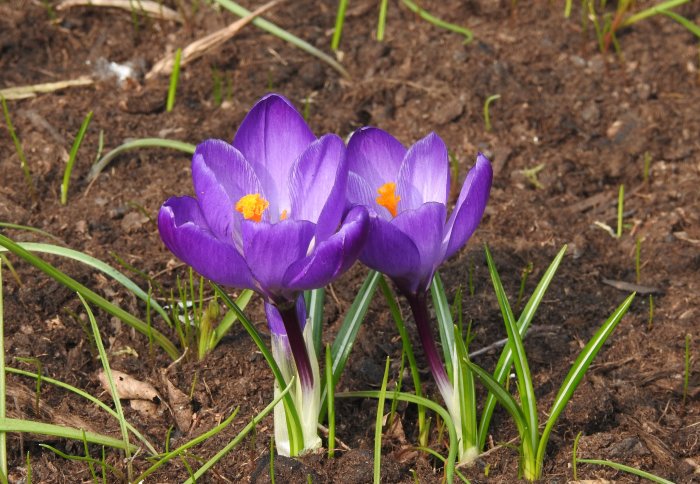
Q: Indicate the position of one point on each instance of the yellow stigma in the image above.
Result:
(387, 197)
(252, 206)
(283, 215)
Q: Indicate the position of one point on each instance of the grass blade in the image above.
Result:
(88, 397)
(506, 400)
(339, 21)
(578, 370)
(231, 317)
(506, 358)
(624, 468)
(651, 11)
(273, 29)
(330, 403)
(91, 296)
(692, 26)
(381, 23)
(466, 394)
(174, 78)
(197, 440)
(72, 156)
(112, 387)
(410, 398)
(30, 229)
(41, 428)
(3, 389)
(345, 338)
(413, 7)
(314, 308)
(138, 143)
(100, 266)
(378, 425)
(522, 369)
(18, 146)
(445, 322)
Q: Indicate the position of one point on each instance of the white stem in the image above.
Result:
(306, 401)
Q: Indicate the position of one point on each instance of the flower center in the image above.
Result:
(252, 206)
(387, 197)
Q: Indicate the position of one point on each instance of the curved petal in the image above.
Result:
(333, 256)
(360, 193)
(221, 176)
(185, 232)
(470, 206)
(317, 185)
(425, 227)
(269, 249)
(375, 155)
(390, 251)
(425, 174)
(271, 137)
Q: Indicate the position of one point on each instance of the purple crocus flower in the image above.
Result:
(268, 215)
(406, 192)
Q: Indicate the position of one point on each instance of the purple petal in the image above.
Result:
(221, 176)
(425, 227)
(269, 249)
(271, 137)
(425, 174)
(390, 251)
(333, 256)
(360, 193)
(470, 206)
(376, 156)
(185, 232)
(317, 185)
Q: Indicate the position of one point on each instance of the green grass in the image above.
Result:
(18, 147)
(487, 108)
(71, 158)
(174, 79)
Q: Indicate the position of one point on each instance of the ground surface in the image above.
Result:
(589, 119)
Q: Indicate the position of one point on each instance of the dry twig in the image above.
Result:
(201, 46)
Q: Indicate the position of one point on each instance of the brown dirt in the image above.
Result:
(588, 117)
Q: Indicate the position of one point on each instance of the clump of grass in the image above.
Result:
(531, 174)
(525, 413)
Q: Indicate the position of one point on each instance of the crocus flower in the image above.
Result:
(268, 215)
(406, 193)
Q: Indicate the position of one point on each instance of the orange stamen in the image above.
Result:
(283, 215)
(387, 197)
(252, 206)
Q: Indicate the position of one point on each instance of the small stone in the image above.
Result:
(448, 111)
(590, 113)
(133, 221)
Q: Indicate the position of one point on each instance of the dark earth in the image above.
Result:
(587, 118)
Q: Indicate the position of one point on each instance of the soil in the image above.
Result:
(587, 119)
